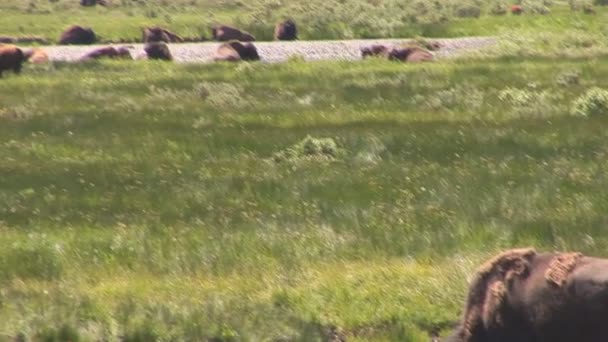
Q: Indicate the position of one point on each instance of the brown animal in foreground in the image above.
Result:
(375, 51)
(77, 35)
(286, 30)
(159, 34)
(524, 296)
(11, 58)
(410, 54)
(36, 56)
(224, 33)
(158, 51)
(235, 51)
(109, 52)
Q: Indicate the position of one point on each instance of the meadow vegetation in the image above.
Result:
(317, 19)
(256, 202)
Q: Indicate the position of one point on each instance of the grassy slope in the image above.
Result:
(49, 20)
(146, 201)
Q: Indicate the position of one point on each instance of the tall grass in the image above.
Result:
(147, 204)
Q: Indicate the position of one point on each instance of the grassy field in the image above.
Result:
(317, 19)
(149, 201)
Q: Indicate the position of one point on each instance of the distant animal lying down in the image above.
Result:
(11, 58)
(36, 56)
(158, 51)
(159, 34)
(77, 35)
(236, 51)
(524, 296)
(109, 52)
(224, 33)
(405, 54)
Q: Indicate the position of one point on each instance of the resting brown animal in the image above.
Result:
(224, 33)
(109, 52)
(159, 34)
(93, 2)
(11, 58)
(410, 54)
(36, 56)
(375, 51)
(235, 51)
(158, 51)
(524, 296)
(77, 35)
(286, 30)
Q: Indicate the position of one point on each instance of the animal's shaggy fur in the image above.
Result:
(36, 56)
(158, 51)
(158, 34)
(224, 33)
(109, 52)
(286, 30)
(77, 35)
(11, 58)
(410, 54)
(236, 51)
(375, 51)
(560, 268)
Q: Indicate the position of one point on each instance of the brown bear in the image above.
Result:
(235, 51)
(374, 51)
(36, 56)
(524, 296)
(77, 35)
(286, 30)
(11, 58)
(108, 51)
(159, 51)
(158, 34)
(410, 54)
(224, 33)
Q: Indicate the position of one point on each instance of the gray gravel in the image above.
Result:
(280, 51)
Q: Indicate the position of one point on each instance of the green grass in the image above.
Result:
(317, 19)
(142, 200)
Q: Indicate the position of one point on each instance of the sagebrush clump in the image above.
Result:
(310, 148)
(593, 103)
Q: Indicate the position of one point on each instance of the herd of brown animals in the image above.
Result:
(236, 46)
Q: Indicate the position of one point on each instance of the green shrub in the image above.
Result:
(601, 2)
(568, 78)
(310, 148)
(499, 8)
(468, 11)
(593, 103)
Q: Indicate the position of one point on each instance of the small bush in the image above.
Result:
(569, 78)
(593, 103)
(310, 148)
(468, 11)
(601, 2)
(499, 8)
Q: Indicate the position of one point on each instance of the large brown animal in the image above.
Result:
(524, 296)
(77, 35)
(286, 30)
(158, 51)
(375, 51)
(224, 33)
(410, 54)
(235, 51)
(107, 52)
(158, 34)
(11, 58)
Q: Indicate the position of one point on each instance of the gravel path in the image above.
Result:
(280, 51)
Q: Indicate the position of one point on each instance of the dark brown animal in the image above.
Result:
(158, 51)
(159, 34)
(524, 296)
(88, 3)
(375, 51)
(286, 30)
(224, 33)
(235, 51)
(11, 58)
(77, 35)
(410, 54)
(108, 52)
